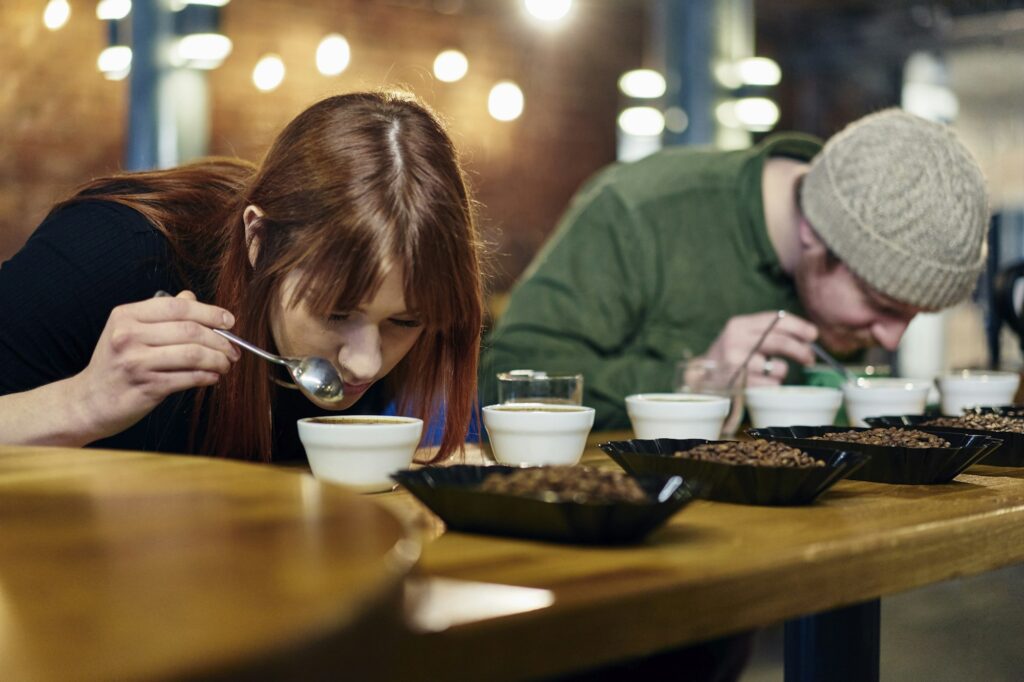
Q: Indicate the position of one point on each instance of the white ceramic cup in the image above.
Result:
(973, 388)
(677, 415)
(535, 434)
(793, 405)
(884, 396)
(360, 452)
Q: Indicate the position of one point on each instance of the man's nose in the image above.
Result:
(360, 354)
(889, 331)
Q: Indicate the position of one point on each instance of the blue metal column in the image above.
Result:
(842, 645)
(151, 29)
(684, 35)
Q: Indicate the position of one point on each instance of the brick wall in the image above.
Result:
(62, 123)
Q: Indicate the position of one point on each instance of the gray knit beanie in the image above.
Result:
(903, 204)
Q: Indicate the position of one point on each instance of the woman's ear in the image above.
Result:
(251, 217)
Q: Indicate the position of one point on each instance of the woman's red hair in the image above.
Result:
(351, 187)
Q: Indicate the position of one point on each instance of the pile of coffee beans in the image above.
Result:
(567, 484)
(981, 422)
(765, 453)
(894, 436)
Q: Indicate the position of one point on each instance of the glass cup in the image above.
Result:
(711, 377)
(530, 386)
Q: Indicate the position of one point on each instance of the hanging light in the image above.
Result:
(201, 50)
(641, 121)
(676, 120)
(757, 114)
(115, 62)
(177, 5)
(113, 10)
(56, 14)
(333, 55)
(269, 73)
(450, 66)
(642, 84)
(200, 43)
(549, 11)
(759, 71)
(505, 101)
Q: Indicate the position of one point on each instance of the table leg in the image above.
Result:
(835, 646)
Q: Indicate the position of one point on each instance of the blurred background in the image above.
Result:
(540, 94)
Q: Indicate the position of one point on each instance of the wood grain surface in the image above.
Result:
(150, 566)
(714, 569)
(119, 565)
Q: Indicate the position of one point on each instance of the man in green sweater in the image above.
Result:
(691, 252)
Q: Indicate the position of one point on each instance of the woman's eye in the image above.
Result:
(337, 317)
(407, 324)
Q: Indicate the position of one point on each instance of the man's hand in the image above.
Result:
(789, 340)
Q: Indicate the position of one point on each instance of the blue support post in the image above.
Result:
(150, 28)
(685, 33)
(842, 645)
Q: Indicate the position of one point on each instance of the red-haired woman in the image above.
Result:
(353, 240)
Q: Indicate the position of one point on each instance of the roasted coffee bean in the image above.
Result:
(754, 452)
(981, 422)
(893, 437)
(567, 484)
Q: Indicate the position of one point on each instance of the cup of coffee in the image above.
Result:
(711, 377)
(532, 386)
(976, 388)
(884, 397)
(792, 405)
(677, 415)
(535, 434)
(360, 452)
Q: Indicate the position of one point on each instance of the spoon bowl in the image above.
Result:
(316, 377)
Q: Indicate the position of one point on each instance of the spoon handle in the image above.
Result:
(832, 362)
(240, 342)
(779, 314)
(249, 347)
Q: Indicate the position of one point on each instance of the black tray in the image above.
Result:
(1013, 410)
(890, 464)
(740, 483)
(452, 492)
(1009, 453)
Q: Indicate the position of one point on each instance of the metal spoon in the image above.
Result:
(779, 314)
(314, 376)
(833, 363)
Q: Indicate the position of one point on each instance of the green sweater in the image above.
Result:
(648, 264)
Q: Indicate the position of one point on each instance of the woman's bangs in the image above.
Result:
(435, 287)
(336, 282)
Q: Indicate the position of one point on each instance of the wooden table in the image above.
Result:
(715, 569)
(119, 565)
(138, 566)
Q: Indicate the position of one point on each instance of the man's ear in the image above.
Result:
(809, 239)
(251, 217)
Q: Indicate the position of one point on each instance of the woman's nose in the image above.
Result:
(360, 354)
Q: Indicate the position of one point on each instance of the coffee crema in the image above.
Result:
(667, 399)
(358, 420)
(536, 408)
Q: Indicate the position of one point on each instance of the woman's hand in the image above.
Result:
(790, 338)
(147, 351)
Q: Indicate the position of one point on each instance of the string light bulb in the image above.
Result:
(333, 55)
(56, 14)
(268, 73)
(450, 66)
